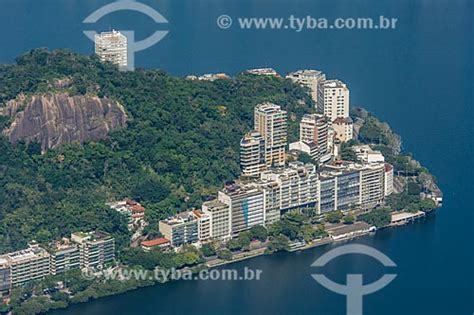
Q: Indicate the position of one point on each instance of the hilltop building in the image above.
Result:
(263, 71)
(112, 46)
(333, 99)
(309, 78)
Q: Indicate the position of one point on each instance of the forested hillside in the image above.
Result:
(180, 145)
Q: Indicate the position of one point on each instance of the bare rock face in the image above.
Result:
(52, 120)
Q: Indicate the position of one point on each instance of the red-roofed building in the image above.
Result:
(138, 211)
(157, 242)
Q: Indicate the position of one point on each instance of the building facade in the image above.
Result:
(333, 99)
(112, 46)
(96, 248)
(343, 129)
(271, 122)
(297, 184)
(388, 179)
(19, 267)
(372, 184)
(65, 256)
(246, 206)
(204, 225)
(219, 219)
(309, 78)
(252, 154)
(180, 229)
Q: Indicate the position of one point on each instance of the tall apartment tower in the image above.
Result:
(309, 78)
(271, 122)
(314, 129)
(252, 154)
(112, 46)
(333, 99)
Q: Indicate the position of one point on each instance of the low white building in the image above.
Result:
(366, 154)
(309, 148)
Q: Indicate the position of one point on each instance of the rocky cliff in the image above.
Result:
(52, 120)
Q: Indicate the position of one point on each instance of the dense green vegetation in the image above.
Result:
(295, 226)
(379, 217)
(410, 200)
(181, 144)
(347, 154)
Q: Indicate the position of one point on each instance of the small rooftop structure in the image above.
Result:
(263, 71)
(333, 84)
(93, 236)
(209, 77)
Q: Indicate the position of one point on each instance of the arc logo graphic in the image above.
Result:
(132, 45)
(354, 290)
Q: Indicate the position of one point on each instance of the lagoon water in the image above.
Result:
(418, 77)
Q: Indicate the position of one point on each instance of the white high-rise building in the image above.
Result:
(271, 122)
(112, 46)
(246, 205)
(310, 79)
(252, 154)
(314, 128)
(219, 214)
(333, 99)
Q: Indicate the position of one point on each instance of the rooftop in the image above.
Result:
(342, 120)
(182, 217)
(155, 242)
(32, 252)
(334, 84)
(305, 73)
(349, 228)
(268, 107)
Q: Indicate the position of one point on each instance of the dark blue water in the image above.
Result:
(418, 77)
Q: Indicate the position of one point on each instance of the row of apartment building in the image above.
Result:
(82, 250)
(239, 206)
